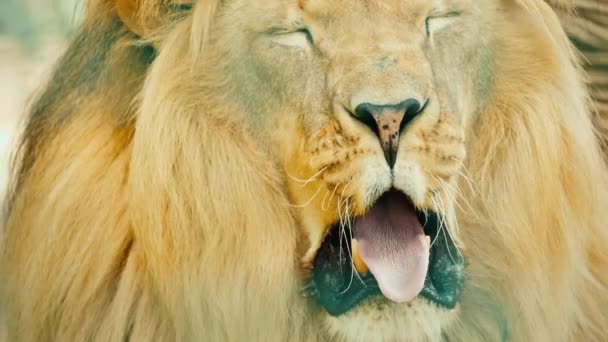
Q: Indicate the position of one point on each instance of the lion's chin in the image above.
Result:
(377, 319)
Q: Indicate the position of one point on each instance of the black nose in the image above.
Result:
(388, 121)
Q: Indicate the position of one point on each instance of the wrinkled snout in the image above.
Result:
(386, 93)
(387, 121)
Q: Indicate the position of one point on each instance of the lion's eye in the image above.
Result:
(300, 38)
(436, 23)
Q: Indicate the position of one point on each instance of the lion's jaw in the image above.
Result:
(309, 69)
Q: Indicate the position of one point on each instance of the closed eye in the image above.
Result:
(439, 22)
(301, 38)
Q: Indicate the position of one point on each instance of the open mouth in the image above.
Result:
(393, 250)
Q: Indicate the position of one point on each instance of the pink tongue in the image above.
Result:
(392, 244)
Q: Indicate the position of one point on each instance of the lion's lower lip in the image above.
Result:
(338, 288)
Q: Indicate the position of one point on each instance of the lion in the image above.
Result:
(310, 170)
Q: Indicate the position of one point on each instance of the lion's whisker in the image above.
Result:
(342, 218)
(353, 271)
(307, 202)
(466, 175)
(443, 227)
(462, 198)
(307, 181)
(350, 230)
(445, 187)
(436, 206)
(330, 198)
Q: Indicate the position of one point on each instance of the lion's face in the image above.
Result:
(366, 106)
(297, 170)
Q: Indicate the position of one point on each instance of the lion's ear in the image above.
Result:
(143, 16)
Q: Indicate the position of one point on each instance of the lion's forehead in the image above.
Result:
(334, 8)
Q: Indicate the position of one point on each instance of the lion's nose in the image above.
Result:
(388, 121)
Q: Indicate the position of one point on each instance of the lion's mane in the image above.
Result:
(140, 210)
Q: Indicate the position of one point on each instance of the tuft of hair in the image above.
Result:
(587, 25)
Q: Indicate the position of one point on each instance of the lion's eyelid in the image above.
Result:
(300, 38)
(437, 22)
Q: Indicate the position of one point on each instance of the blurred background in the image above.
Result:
(32, 36)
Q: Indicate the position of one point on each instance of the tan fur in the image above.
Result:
(587, 24)
(180, 192)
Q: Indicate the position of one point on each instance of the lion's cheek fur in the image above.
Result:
(234, 248)
(533, 237)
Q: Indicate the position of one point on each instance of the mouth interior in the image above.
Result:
(399, 261)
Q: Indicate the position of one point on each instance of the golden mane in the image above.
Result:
(121, 186)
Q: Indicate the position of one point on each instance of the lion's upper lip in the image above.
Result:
(338, 288)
